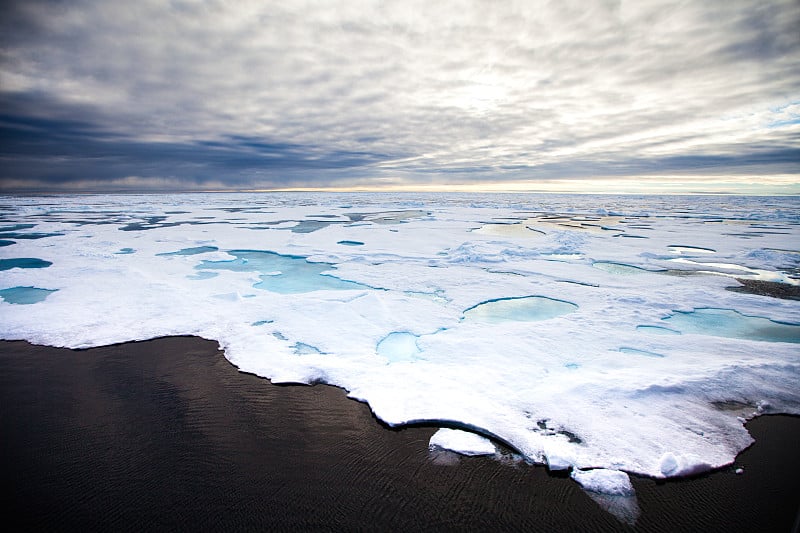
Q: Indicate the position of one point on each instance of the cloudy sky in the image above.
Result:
(610, 95)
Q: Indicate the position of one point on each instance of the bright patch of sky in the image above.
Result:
(358, 94)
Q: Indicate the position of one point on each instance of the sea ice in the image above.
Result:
(611, 490)
(463, 442)
(619, 269)
(657, 330)
(689, 250)
(636, 351)
(672, 465)
(521, 338)
(734, 270)
(612, 482)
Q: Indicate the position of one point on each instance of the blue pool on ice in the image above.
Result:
(637, 351)
(285, 274)
(398, 346)
(25, 295)
(731, 323)
(521, 309)
(619, 269)
(192, 251)
(657, 330)
(23, 262)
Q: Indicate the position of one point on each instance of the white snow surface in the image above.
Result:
(585, 389)
(612, 482)
(463, 442)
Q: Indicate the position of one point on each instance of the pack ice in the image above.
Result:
(599, 334)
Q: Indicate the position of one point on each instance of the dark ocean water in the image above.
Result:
(167, 435)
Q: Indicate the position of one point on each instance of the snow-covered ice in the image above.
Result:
(463, 442)
(605, 481)
(592, 333)
(612, 490)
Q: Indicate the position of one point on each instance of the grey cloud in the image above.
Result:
(474, 88)
(64, 151)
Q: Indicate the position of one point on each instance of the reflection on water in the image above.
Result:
(166, 434)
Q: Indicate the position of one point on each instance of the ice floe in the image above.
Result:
(463, 442)
(527, 317)
(612, 490)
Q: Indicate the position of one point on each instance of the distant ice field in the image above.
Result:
(597, 333)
